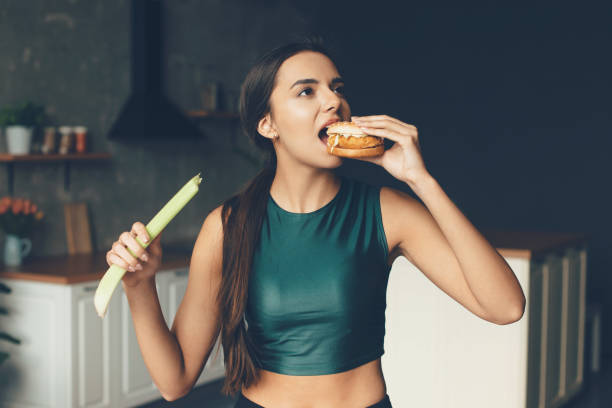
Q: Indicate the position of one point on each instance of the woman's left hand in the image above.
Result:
(403, 160)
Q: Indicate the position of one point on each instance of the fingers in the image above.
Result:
(127, 250)
(129, 262)
(384, 121)
(387, 130)
(140, 231)
(386, 133)
(387, 127)
(383, 118)
(118, 255)
(378, 117)
(129, 240)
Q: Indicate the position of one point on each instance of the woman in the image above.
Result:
(312, 251)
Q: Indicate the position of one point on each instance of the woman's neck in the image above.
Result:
(304, 191)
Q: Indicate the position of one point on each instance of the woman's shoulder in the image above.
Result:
(395, 202)
(388, 195)
(211, 230)
(402, 215)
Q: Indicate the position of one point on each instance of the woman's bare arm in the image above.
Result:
(440, 241)
(175, 358)
(437, 237)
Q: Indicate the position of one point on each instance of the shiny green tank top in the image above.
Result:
(317, 288)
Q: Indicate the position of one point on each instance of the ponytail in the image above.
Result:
(242, 216)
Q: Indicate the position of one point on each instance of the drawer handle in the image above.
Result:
(89, 288)
(181, 273)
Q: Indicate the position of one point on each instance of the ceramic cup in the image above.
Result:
(15, 249)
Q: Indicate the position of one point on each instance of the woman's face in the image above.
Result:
(308, 96)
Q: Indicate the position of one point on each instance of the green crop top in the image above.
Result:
(318, 283)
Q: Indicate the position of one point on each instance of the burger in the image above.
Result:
(346, 139)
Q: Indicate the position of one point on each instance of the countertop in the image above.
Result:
(68, 269)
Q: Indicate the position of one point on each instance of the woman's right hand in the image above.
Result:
(147, 261)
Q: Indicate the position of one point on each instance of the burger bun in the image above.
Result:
(346, 139)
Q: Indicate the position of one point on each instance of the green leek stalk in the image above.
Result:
(115, 273)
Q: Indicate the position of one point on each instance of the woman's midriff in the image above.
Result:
(360, 387)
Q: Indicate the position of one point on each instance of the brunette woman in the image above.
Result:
(292, 271)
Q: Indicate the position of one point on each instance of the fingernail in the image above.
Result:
(131, 268)
(145, 257)
(145, 239)
(139, 267)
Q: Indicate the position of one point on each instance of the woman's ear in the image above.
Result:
(266, 128)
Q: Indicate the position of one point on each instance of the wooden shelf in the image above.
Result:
(202, 114)
(66, 159)
(6, 157)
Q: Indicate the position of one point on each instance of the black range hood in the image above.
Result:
(148, 114)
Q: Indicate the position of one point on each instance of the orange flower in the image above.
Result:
(18, 216)
(17, 205)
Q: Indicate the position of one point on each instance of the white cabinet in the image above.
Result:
(37, 373)
(135, 383)
(175, 285)
(438, 354)
(69, 357)
(93, 352)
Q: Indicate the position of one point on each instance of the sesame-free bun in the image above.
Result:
(346, 139)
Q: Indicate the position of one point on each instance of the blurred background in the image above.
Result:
(512, 102)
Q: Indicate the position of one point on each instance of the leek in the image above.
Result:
(113, 275)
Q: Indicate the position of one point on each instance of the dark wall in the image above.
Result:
(512, 104)
(74, 57)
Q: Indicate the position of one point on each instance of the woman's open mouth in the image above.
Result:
(323, 136)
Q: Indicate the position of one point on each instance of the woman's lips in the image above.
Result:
(328, 123)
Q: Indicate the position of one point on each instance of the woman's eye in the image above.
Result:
(305, 91)
(339, 90)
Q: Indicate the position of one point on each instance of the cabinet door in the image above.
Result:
(176, 284)
(36, 371)
(557, 367)
(554, 356)
(94, 350)
(574, 311)
(439, 354)
(536, 348)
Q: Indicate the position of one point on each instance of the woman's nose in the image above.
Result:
(332, 101)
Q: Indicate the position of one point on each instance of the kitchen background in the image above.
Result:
(512, 103)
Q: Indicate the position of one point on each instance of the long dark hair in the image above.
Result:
(243, 216)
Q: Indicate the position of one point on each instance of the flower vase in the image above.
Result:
(15, 249)
(18, 139)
